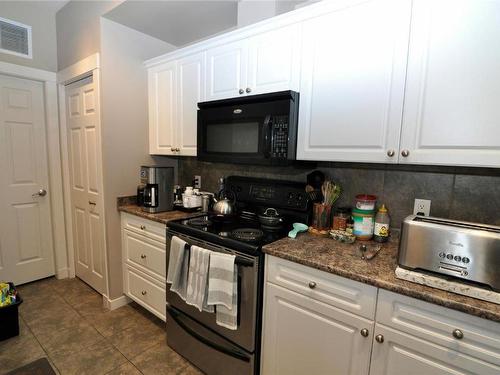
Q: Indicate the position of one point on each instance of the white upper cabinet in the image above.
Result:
(266, 62)
(274, 60)
(352, 82)
(452, 104)
(175, 88)
(190, 91)
(226, 70)
(162, 108)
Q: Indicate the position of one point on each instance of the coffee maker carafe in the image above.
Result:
(154, 193)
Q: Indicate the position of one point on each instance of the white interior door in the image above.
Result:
(26, 246)
(84, 148)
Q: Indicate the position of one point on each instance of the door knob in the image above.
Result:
(390, 153)
(241, 91)
(40, 193)
(364, 332)
(312, 284)
(379, 339)
(405, 153)
(248, 90)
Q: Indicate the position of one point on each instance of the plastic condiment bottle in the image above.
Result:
(382, 221)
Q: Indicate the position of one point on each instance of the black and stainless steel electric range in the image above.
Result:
(194, 334)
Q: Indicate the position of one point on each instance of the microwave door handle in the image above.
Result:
(267, 137)
(233, 352)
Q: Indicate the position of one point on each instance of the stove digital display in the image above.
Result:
(262, 192)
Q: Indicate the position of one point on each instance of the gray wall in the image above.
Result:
(470, 194)
(124, 126)
(78, 30)
(43, 22)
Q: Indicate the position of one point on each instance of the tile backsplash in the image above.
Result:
(470, 194)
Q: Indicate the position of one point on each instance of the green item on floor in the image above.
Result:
(7, 294)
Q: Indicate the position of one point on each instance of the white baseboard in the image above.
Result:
(62, 273)
(113, 304)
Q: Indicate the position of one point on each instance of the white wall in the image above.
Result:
(78, 30)
(43, 22)
(252, 11)
(124, 110)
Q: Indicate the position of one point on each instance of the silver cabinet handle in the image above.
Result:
(143, 256)
(458, 334)
(92, 203)
(364, 332)
(241, 91)
(391, 153)
(144, 292)
(405, 153)
(312, 284)
(379, 339)
(143, 227)
(248, 90)
(40, 193)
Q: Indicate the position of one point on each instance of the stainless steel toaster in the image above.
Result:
(468, 251)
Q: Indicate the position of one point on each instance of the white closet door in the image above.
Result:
(190, 91)
(352, 83)
(26, 245)
(452, 102)
(85, 159)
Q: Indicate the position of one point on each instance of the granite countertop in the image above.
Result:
(128, 205)
(344, 260)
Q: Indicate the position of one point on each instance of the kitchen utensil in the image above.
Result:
(270, 218)
(322, 214)
(297, 228)
(224, 206)
(331, 192)
(371, 253)
(315, 179)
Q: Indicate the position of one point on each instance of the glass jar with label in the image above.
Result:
(340, 218)
(364, 222)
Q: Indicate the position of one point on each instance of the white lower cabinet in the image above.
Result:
(144, 263)
(309, 329)
(305, 336)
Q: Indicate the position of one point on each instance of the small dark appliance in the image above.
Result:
(154, 194)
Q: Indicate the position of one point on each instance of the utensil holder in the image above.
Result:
(322, 214)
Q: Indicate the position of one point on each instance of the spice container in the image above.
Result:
(340, 218)
(365, 202)
(382, 221)
(364, 222)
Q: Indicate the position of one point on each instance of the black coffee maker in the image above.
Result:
(154, 194)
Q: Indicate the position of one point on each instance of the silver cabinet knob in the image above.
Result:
(144, 292)
(143, 227)
(248, 90)
(458, 334)
(143, 256)
(364, 332)
(312, 284)
(241, 91)
(172, 149)
(40, 193)
(405, 153)
(177, 149)
(391, 153)
(379, 338)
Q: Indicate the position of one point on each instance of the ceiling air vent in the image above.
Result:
(15, 38)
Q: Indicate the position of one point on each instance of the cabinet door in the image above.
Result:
(304, 336)
(352, 83)
(226, 70)
(400, 353)
(452, 111)
(190, 91)
(162, 108)
(274, 61)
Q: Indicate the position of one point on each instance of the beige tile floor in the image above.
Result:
(64, 321)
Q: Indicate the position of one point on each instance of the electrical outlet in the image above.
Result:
(422, 207)
(197, 182)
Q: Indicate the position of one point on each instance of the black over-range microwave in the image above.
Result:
(257, 129)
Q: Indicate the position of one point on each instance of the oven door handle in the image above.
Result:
(232, 352)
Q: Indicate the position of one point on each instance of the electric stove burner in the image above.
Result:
(199, 222)
(247, 234)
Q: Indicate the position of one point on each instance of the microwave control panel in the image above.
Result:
(280, 137)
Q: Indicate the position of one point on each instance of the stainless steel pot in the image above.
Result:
(270, 218)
